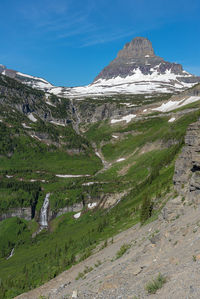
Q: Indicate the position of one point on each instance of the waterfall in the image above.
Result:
(44, 212)
(11, 254)
(78, 120)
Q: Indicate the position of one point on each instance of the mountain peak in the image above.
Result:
(138, 47)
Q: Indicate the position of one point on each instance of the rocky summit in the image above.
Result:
(137, 59)
(135, 70)
(139, 54)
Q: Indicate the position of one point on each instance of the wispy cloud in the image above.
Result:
(63, 19)
(82, 30)
(58, 21)
(102, 39)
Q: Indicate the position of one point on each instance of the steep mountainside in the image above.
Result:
(157, 261)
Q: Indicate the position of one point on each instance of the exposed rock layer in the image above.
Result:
(187, 168)
(25, 213)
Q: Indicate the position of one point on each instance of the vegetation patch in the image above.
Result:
(156, 284)
(123, 249)
(82, 274)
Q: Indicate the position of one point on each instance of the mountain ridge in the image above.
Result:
(135, 70)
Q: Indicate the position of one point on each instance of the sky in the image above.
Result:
(68, 42)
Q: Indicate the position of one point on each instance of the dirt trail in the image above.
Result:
(169, 245)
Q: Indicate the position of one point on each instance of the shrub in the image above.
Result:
(122, 250)
(146, 209)
(82, 274)
(155, 284)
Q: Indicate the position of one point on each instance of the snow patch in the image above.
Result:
(32, 77)
(31, 117)
(92, 205)
(98, 155)
(72, 175)
(77, 215)
(172, 105)
(34, 136)
(47, 95)
(56, 90)
(88, 184)
(126, 118)
(57, 123)
(171, 120)
(50, 104)
(25, 126)
(128, 104)
(121, 159)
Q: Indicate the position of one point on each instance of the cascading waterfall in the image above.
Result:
(78, 121)
(44, 212)
(11, 254)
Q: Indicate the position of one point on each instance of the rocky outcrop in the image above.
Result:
(191, 92)
(25, 213)
(90, 112)
(74, 208)
(187, 168)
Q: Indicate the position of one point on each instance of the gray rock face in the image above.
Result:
(75, 208)
(139, 54)
(25, 213)
(138, 47)
(187, 168)
(91, 113)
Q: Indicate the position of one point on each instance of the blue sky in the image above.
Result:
(68, 42)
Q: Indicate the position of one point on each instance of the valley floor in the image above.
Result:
(170, 245)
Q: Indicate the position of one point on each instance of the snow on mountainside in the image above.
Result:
(32, 81)
(135, 70)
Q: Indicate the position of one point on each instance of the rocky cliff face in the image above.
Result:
(187, 168)
(25, 213)
(90, 112)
